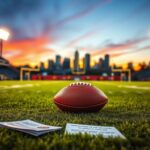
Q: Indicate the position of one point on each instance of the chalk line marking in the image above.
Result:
(134, 87)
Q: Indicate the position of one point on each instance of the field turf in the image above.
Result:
(128, 110)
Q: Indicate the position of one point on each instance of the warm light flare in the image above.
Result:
(4, 34)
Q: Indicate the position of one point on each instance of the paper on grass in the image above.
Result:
(104, 131)
(34, 133)
(30, 127)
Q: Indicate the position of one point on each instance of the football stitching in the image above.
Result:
(71, 106)
(80, 83)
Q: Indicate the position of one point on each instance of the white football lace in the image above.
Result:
(80, 83)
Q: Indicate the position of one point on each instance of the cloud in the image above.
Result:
(74, 42)
(11, 53)
(27, 51)
(35, 18)
(22, 17)
(115, 50)
(145, 48)
(12, 8)
(80, 14)
(29, 18)
(144, 7)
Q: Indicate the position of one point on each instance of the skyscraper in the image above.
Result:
(106, 62)
(42, 67)
(130, 66)
(66, 63)
(66, 66)
(76, 61)
(58, 67)
(87, 62)
(50, 65)
(58, 62)
(101, 63)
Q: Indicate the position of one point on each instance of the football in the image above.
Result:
(80, 97)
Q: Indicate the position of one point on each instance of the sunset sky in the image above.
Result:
(40, 29)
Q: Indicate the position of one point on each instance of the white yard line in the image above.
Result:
(20, 91)
(110, 92)
(134, 87)
(3, 91)
(18, 86)
(138, 92)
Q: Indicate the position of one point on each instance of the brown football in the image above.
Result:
(80, 97)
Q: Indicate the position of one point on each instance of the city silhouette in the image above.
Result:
(58, 69)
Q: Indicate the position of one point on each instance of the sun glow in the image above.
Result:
(4, 34)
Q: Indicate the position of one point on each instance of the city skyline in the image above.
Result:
(63, 67)
(41, 29)
(85, 62)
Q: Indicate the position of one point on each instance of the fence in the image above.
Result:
(74, 77)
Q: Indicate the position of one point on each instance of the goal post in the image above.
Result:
(123, 70)
(28, 70)
(78, 72)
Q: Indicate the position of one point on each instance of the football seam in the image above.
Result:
(79, 106)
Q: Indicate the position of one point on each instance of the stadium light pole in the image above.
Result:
(3, 36)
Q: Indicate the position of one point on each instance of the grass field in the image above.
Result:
(128, 110)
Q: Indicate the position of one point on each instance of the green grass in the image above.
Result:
(128, 110)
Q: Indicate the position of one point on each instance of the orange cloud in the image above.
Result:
(26, 51)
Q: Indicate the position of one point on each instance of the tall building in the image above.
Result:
(50, 65)
(101, 63)
(66, 63)
(42, 67)
(58, 67)
(106, 62)
(58, 62)
(87, 62)
(130, 66)
(76, 61)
